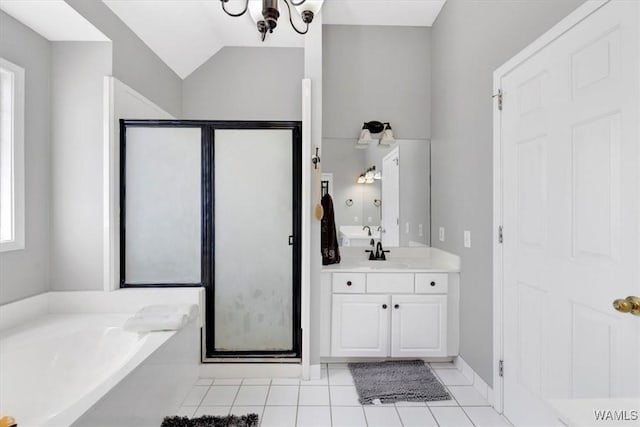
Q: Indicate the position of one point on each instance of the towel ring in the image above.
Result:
(349, 202)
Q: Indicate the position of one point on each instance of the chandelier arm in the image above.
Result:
(291, 19)
(235, 15)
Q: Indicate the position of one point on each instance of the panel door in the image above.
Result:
(419, 325)
(360, 325)
(254, 276)
(570, 204)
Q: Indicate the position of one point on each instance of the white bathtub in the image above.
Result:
(84, 369)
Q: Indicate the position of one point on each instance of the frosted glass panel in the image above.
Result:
(163, 205)
(253, 259)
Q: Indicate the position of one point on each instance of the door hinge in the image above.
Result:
(501, 368)
(499, 96)
(291, 240)
(500, 235)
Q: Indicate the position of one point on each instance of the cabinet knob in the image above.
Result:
(349, 283)
(433, 283)
(384, 306)
(396, 306)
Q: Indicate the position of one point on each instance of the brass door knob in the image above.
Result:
(630, 304)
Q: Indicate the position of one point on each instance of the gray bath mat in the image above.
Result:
(394, 381)
(250, 420)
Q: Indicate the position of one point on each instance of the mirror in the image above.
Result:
(394, 199)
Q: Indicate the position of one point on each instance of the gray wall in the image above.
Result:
(25, 272)
(470, 39)
(376, 73)
(133, 62)
(77, 79)
(246, 83)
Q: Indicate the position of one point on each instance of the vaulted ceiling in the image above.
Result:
(186, 33)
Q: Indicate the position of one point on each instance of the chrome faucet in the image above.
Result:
(369, 228)
(379, 228)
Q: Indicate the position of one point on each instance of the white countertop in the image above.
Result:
(399, 260)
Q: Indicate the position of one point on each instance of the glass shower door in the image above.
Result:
(253, 221)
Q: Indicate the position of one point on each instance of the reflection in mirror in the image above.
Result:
(381, 192)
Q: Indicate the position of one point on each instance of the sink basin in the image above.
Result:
(383, 264)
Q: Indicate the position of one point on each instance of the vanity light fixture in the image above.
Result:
(369, 176)
(365, 138)
(270, 14)
(375, 127)
(387, 136)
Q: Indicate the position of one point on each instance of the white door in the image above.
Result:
(391, 199)
(418, 325)
(360, 325)
(570, 146)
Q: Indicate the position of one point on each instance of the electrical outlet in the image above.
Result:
(441, 234)
(370, 219)
(355, 219)
(467, 239)
(406, 228)
(420, 230)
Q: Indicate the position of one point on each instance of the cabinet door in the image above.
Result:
(419, 325)
(360, 325)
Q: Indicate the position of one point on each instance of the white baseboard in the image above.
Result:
(315, 372)
(478, 383)
(251, 370)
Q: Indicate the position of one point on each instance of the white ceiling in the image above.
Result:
(409, 13)
(186, 33)
(54, 20)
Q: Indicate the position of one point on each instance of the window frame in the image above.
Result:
(17, 149)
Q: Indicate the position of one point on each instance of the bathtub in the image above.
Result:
(83, 369)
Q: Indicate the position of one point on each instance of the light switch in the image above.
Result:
(441, 234)
(355, 219)
(406, 228)
(467, 238)
(369, 219)
(420, 230)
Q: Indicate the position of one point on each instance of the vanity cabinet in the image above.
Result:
(418, 325)
(389, 315)
(360, 325)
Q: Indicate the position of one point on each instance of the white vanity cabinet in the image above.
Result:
(389, 315)
(361, 325)
(419, 325)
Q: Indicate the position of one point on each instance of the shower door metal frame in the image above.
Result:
(208, 128)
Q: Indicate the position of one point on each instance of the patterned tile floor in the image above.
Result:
(332, 401)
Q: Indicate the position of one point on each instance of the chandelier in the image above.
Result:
(270, 15)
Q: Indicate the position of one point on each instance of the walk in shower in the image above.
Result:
(217, 204)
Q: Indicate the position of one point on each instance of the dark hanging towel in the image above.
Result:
(329, 239)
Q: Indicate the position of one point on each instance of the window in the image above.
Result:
(11, 156)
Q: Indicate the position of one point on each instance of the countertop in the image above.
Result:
(399, 260)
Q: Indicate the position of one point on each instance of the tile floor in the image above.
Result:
(332, 401)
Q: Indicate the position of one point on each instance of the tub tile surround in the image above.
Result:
(332, 401)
